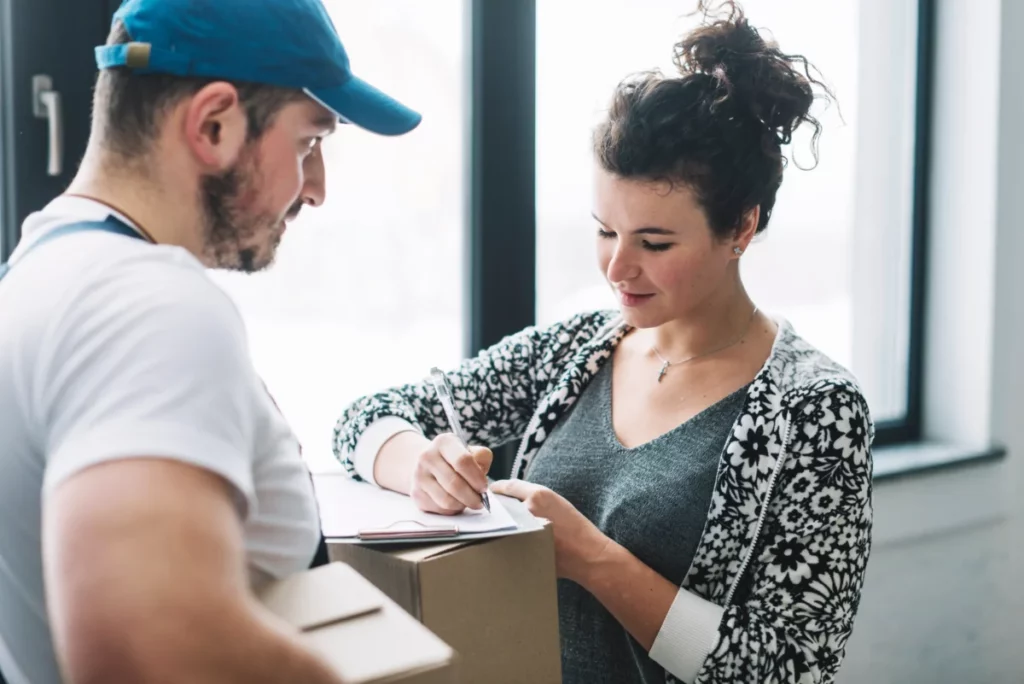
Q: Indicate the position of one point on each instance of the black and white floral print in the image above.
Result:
(788, 533)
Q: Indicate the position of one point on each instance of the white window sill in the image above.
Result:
(902, 460)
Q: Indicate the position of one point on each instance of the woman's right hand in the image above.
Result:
(439, 474)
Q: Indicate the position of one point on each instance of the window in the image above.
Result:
(836, 260)
(367, 290)
(416, 252)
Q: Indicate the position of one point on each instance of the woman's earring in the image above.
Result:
(737, 251)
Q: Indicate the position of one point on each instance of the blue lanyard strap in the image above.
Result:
(110, 225)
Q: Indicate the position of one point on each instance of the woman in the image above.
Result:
(707, 472)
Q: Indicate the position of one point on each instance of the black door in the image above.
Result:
(43, 136)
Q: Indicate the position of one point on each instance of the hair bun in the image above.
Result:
(747, 74)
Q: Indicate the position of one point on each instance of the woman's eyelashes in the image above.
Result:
(656, 246)
(649, 246)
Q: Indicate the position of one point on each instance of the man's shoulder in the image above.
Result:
(140, 279)
(104, 289)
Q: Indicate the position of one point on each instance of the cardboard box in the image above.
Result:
(362, 633)
(494, 601)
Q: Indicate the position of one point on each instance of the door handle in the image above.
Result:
(46, 104)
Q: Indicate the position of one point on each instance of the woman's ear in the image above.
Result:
(746, 231)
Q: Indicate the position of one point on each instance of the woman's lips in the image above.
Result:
(633, 300)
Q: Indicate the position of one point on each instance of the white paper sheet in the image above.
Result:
(347, 506)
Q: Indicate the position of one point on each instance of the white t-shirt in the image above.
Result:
(112, 347)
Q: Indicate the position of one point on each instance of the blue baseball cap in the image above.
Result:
(284, 43)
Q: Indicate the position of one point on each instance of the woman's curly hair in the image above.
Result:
(719, 126)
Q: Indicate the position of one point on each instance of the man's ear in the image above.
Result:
(216, 126)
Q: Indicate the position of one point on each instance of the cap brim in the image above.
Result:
(359, 103)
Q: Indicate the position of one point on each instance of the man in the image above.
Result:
(146, 479)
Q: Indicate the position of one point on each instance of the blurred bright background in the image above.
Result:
(368, 290)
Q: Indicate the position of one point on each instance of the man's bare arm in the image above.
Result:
(146, 582)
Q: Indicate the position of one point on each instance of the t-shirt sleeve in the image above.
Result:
(151, 361)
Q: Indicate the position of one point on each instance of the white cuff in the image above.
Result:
(688, 635)
(372, 439)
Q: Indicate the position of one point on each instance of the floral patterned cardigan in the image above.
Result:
(775, 584)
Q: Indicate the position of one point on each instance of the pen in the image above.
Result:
(444, 394)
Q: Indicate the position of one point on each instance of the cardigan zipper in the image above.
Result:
(530, 427)
(764, 511)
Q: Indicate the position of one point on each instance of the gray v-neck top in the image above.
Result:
(652, 499)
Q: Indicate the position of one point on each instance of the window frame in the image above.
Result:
(10, 229)
(909, 428)
(501, 218)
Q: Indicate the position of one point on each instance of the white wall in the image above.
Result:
(944, 599)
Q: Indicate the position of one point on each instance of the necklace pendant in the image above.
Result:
(664, 369)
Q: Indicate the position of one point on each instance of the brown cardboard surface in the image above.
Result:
(312, 601)
(494, 601)
(363, 634)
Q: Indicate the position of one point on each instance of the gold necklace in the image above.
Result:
(665, 363)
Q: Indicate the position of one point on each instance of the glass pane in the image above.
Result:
(835, 260)
(367, 290)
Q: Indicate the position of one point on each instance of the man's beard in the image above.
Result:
(237, 239)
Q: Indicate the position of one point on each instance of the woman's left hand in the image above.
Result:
(578, 542)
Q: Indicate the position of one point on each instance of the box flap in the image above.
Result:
(422, 552)
(320, 597)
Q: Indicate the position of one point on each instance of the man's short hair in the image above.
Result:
(128, 108)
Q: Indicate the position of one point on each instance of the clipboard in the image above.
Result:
(359, 512)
